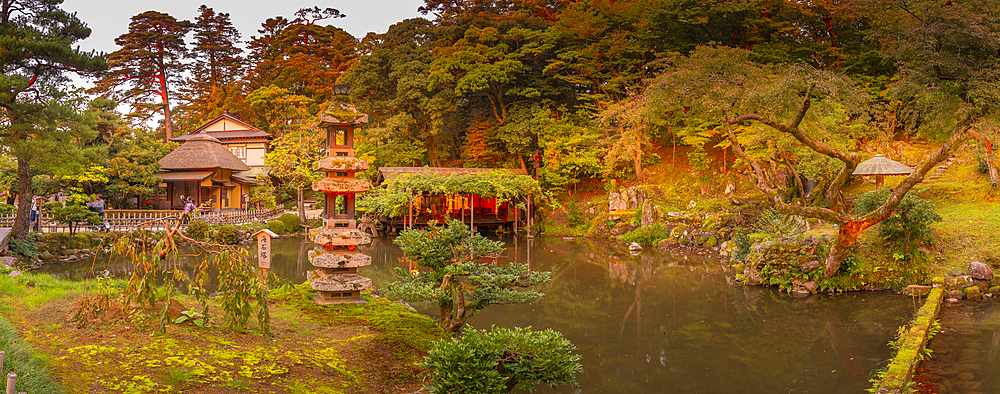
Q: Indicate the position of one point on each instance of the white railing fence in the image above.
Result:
(124, 219)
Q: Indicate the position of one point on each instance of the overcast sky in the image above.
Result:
(110, 18)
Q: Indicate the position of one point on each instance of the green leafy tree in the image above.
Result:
(74, 213)
(292, 156)
(453, 277)
(817, 110)
(409, 123)
(501, 360)
(148, 66)
(909, 224)
(40, 124)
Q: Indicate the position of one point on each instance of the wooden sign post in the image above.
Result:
(264, 247)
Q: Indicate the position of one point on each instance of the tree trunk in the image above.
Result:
(302, 205)
(841, 248)
(992, 169)
(637, 162)
(20, 230)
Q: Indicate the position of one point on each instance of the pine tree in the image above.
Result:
(36, 39)
(301, 55)
(216, 70)
(147, 65)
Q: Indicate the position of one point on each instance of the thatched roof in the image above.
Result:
(202, 151)
(881, 165)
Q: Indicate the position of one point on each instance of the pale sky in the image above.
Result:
(109, 19)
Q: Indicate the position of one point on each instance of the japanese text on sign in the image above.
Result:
(264, 250)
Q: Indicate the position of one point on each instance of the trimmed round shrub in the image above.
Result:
(276, 226)
(228, 235)
(197, 229)
(292, 222)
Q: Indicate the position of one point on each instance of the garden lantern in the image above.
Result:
(880, 166)
(337, 279)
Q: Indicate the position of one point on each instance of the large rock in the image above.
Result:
(8, 261)
(751, 275)
(972, 293)
(46, 255)
(14, 274)
(978, 270)
(957, 282)
(634, 246)
(810, 266)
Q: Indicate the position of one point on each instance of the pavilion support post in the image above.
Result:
(472, 213)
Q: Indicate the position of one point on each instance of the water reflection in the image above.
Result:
(668, 322)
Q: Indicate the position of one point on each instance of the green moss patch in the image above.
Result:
(315, 349)
(910, 344)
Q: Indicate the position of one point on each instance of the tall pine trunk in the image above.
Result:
(20, 230)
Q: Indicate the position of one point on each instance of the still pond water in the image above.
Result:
(665, 322)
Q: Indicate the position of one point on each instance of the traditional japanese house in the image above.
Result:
(203, 168)
(469, 207)
(246, 142)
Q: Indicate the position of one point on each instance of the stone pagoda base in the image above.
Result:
(337, 287)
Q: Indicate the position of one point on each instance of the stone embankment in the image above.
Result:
(911, 343)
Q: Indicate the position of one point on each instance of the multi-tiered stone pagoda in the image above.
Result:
(337, 279)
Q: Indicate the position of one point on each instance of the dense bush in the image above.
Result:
(228, 235)
(486, 362)
(292, 222)
(910, 224)
(23, 248)
(647, 236)
(276, 226)
(197, 229)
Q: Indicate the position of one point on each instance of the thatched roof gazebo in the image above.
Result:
(202, 167)
(202, 151)
(880, 166)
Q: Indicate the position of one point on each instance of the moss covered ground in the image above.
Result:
(370, 348)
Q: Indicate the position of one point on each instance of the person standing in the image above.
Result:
(33, 222)
(189, 209)
(99, 208)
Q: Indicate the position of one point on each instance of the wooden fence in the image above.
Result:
(124, 219)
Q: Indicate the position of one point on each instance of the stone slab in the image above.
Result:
(338, 282)
(341, 184)
(340, 163)
(322, 258)
(339, 236)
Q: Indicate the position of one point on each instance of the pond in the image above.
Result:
(665, 322)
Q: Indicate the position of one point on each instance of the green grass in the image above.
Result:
(31, 367)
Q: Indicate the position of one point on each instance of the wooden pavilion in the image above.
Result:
(202, 167)
(470, 208)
